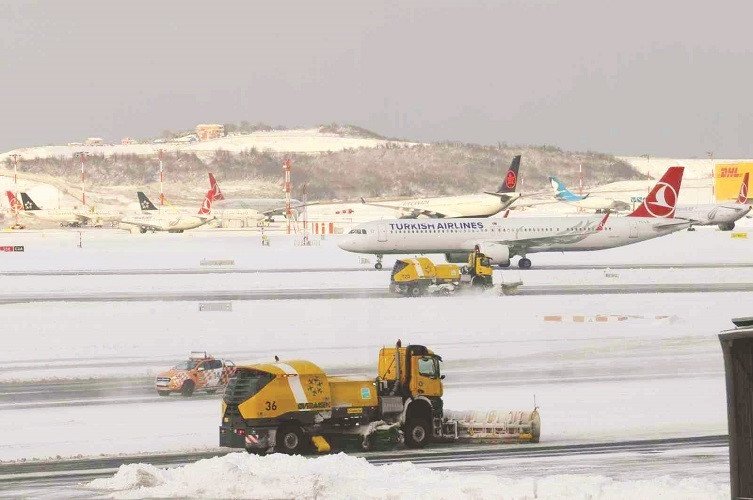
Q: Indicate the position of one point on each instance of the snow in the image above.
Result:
(279, 476)
(657, 374)
(283, 141)
(695, 168)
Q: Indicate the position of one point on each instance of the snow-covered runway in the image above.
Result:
(601, 367)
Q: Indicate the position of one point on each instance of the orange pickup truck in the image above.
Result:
(201, 372)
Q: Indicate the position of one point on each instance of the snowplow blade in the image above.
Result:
(496, 425)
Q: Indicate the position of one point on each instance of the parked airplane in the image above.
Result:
(172, 222)
(15, 205)
(723, 215)
(62, 215)
(261, 206)
(473, 205)
(501, 239)
(585, 201)
(259, 209)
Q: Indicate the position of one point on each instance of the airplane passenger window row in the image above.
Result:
(498, 230)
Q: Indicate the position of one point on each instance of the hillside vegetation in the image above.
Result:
(391, 170)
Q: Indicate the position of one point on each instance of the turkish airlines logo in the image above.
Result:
(662, 202)
(206, 206)
(743, 197)
(511, 179)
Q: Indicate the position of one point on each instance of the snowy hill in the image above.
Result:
(314, 140)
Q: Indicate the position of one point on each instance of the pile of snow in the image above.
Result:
(340, 476)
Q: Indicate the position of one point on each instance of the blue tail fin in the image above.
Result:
(561, 192)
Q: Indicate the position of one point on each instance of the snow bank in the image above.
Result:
(340, 476)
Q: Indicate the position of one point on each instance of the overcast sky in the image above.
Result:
(671, 78)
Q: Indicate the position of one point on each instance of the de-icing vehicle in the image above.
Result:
(201, 372)
(290, 406)
(419, 276)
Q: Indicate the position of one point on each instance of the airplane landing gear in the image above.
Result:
(524, 263)
(378, 264)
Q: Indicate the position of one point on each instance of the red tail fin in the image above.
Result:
(662, 199)
(206, 207)
(15, 205)
(216, 193)
(743, 196)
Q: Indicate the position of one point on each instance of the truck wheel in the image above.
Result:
(367, 444)
(414, 291)
(289, 440)
(187, 389)
(163, 393)
(416, 433)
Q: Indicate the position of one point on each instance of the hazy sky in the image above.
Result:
(641, 76)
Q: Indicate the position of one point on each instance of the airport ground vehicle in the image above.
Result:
(414, 277)
(201, 372)
(289, 406)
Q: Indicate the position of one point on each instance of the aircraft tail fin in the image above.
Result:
(510, 184)
(206, 207)
(146, 203)
(561, 192)
(743, 196)
(28, 202)
(662, 199)
(15, 205)
(216, 192)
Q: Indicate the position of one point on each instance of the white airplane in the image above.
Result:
(585, 201)
(175, 222)
(723, 215)
(247, 208)
(471, 205)
(501, 239)
(30, 209)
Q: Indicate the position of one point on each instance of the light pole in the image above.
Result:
(81, 155)
(161, 192)
(15, 183)
(710, 154)
(648, 170)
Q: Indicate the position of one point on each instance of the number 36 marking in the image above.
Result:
(271, 405)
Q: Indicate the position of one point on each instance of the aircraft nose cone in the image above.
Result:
(346, 243)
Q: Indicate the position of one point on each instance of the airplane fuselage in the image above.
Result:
(162, 222)
(462, 235)
(471, 205)
(712, 214)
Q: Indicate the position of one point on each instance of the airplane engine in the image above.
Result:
(499, 254)
(457, 258)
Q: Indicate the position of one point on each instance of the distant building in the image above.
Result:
(94, 141)
(128, 141)
(207, 132)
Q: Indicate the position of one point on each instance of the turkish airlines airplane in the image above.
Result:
(151, 219)
(723, 215)
(502, 238)
(247, 208)
(470, 205)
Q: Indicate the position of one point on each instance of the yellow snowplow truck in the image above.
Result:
(419, 276)
(294, 406)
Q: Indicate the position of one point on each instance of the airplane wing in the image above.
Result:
(146, 224)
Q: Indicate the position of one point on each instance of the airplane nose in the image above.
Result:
(346, 243)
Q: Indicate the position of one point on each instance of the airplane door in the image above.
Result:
(633, 229)
(381, 232)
